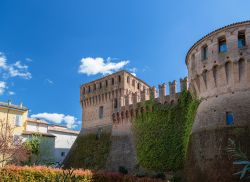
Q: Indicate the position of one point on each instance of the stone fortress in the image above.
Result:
(218, 74)
(111, 103)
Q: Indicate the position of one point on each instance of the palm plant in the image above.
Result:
(240, 159)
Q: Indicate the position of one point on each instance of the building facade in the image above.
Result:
(219, 74)
(102, 98)
(16, 115)
(112, 102)
(64, 139)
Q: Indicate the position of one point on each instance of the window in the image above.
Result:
(133, 83)
(119, 78)
(89, 88)
(229, 118)
(94, 86)
(100, 85)
(241, 40)
(115, 103)
(222, 44)
(106, 83)
(138, 86)
(18, 120)
(100, 112)
(62, 154)
(204, 52)
(128, 79)
(113, 81)
(83, 90)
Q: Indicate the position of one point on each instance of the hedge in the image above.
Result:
(89, 152)
(162, 136)
(45, 174)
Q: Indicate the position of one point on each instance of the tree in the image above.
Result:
(12, 149)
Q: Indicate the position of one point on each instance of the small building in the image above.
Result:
(39, 128)
(16, 115)
(63, 141)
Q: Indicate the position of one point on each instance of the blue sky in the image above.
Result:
(48, 47)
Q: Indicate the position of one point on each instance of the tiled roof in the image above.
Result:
(211, 33)
(37, 133)
(12, 106)
(35, 120)
(63, 130)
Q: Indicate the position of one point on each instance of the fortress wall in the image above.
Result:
(222, 83)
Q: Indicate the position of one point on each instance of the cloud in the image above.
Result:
(28, 59)
(19, 70)
(3, 86)
(133, 70)
(49, 81)
(13, 70)
(2, 60)
(70, 121)
(11, 93)
(93, 66)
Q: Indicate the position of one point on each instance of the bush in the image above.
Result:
(162, 136)
(45, 174)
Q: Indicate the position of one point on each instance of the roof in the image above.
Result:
(213, 32)
(38, 133)
(63, 130)
(36, 120)
(115, 74)
(12, 106)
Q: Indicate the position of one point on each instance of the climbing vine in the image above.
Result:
(162, 135)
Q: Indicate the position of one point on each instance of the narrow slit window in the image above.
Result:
(119, 78)
(204, 52)
(106, 83)
(115, 103)
(229, 118)
(222, 45)
(241, 40)
(100, 112)
(100, 85)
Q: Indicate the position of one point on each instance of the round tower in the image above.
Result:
(219, 75)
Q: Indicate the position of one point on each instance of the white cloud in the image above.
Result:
(28, 59)
(11, 93)
(133, 70)
(19, 70)
(3, 86)
(93, 66)
(49, 81)
(70, 121)
(13, 70)
(2, 60)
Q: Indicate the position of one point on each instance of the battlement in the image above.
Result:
(129, 111)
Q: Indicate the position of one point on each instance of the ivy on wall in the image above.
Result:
(89, 152)
(162, 136)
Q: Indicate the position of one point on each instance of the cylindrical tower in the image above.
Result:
(219, 75)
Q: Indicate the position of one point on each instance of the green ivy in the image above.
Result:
(89, 152)
(162, 136)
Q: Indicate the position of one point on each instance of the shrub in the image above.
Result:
(162, 136)
(45, 174)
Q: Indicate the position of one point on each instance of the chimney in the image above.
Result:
(21, 104)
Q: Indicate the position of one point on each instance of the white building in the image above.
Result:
(63, 141)
(57, 140)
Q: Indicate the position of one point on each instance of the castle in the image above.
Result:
(218, 74)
